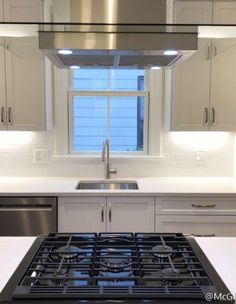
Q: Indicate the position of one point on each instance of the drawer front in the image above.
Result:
(209, 205)
(197, 225)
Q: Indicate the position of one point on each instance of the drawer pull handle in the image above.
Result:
(203, 206)
(204, 235)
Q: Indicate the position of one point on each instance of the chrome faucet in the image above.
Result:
(109, 170)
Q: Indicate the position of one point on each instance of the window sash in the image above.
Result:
(108, 93)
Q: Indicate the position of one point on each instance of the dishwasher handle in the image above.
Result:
(24, 207)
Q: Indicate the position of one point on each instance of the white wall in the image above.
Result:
(179, 157)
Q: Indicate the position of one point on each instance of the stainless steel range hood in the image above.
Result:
(104, 33)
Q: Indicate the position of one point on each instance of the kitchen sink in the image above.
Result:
(107, 185)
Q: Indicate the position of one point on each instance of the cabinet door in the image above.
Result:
(25, 84)
(81, 214)
(190, 95)
(198, 225)
(2, 87)
(223, 88)
(224, 12)
(196, 12)
(23, 10)
(1, 10)
(134, 214)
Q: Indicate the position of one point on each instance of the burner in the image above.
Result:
(116, 261)
(170, 272)
(60, 278)
(161, 251)
(68, 253)
(113, 240)
(173, 278)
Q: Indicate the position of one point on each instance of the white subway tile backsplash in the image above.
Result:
(179, 159)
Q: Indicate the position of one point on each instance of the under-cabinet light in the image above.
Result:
(170, 52)
(74, 67)
(155, 67)
(65, 52)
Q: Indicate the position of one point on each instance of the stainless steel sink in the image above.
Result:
(107, 185)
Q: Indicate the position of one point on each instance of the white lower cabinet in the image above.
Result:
(81, 214)
(197, 225)
(133, 214)
(198, 215)
(112, 214)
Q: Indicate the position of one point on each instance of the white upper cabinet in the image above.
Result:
(224, 12)
(2, 86)
(23, 10)
(25, 88)
(1, 10)
(190, 91)
(25, 100)
(204, 88)
(223, 89)
(196, 12)
(205, 12)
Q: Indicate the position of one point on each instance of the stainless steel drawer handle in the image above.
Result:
(203, 206)
(5, 207)
(204, 235)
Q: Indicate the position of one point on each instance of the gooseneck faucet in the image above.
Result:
(106, 159)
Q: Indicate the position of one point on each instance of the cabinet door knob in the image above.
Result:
(3, 116)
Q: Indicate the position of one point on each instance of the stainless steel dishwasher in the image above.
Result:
(27, 216)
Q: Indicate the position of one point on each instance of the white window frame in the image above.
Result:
(154, 116)
(108, 93)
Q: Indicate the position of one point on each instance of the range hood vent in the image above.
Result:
(116, 49)
(104, 33)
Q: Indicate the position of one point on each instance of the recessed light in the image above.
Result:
(170, 52)
(65, 52)
(155, 67)
(74, 67)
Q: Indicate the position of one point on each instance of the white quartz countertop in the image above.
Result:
(63, 186)
(220, 251)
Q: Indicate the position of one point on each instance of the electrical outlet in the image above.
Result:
(40, 155)
(201, 156)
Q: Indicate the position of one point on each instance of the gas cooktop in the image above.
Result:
(108, 267)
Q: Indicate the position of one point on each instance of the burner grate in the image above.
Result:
(107, 265)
